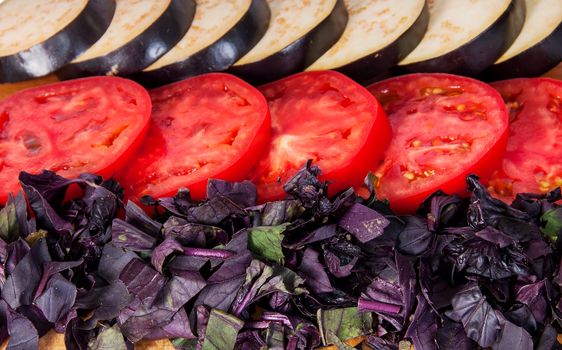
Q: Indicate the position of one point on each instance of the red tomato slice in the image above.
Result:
(533, 160)
(444, 128)
(326, 117)
(87, 125)
(210, 126)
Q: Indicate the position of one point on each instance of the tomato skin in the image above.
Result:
(446, 101)
(533, 160)
(75, 125)
(210, 100)
(298, 104)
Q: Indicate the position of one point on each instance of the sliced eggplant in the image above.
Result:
(378, 35)
(140, 33)
(538, 48)
(221, 33)
(465, 37)
(299, 32)
(39, 37)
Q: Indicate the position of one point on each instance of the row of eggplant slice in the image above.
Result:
(160, 41)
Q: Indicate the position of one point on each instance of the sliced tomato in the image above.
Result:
(533, 160)
(87, 125)
(210, 126)
(444, 128)
(328, 118)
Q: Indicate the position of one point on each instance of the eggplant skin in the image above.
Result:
(534, 61)
(299, 54)
(140, 52)
(481, 52)
(53, 53)
(218, 56)
(378, 63)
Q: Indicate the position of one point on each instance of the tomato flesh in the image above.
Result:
(210, 126)
(533, 160)
(444, 128)
(87, 125)
(327, 118)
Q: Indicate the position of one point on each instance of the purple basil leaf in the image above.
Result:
(105, 302)
(381, 297)
(135, 216)
(163, 251)
(521, 315)
(112, 262)
(442, 210)
(3, 258)
(337, 265)
(306, 187)
(48, 185)
(224, 283)
(416, 238)
(127, 236)
(363, 222)
(20, 286)
(51, 268)
(277, 213)
(36, 316)
(275, 336)
(262, 280)
(485, 210)
(452, 336)
(378, 343)
(480, 321)
(4, 317)
(57, 299)
(306, 336)
(62, 324)
(213, 211)
(533, 295)
(492, 235)
(23, 335)
(15, 252)
(242, 193)
(178, 327)
(548, 338)
(423, 326)
(193, 235)
(77, 338)
(221, 331)
(313, 273)
(298, 240)
(186, 264)
(45, 193)
(513, 337)
(142, 281)
(13, 219)
(250, 340)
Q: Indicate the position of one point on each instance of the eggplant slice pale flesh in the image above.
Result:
(378, 35)
(37, 37)
(140, 33)
(221, 33)
(538, 48)
(465, 37)
(299, 32)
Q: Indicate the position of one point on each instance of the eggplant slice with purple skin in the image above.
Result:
(378, 35)
(39, 37)
(538, 48)
(299, 32)
(221, 33)
(140, 33)
(465, 37)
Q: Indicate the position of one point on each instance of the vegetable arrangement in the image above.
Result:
(159, 42)
(298, 273)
